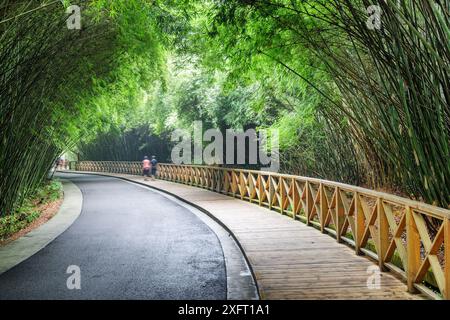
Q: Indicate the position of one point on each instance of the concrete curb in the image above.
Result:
(21, 249)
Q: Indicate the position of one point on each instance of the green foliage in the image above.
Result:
(367, 107)
(28, 211)
(122, 144)
(61, 86)
(384, 93)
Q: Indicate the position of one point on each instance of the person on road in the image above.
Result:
(59, 163)
(146, 165)
(154, 163)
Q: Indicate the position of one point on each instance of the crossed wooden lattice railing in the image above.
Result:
(393, 230)
(126, 167)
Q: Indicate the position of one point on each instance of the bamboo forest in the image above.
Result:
(358, 91)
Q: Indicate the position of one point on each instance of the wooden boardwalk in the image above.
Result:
(290, 260)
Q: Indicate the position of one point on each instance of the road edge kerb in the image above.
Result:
(201, 209)
(29, 244)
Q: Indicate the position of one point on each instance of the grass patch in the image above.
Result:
(29, 211)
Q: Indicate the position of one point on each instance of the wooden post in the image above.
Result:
(269, 179)
(260, 189)
(219, 183)
(295, 199)
(242, 184)
(281, 191)
(323, 207)
(339, 213)
(412, 249)
(383, 234)
(446, 293)
(309, 203)
(359, 223)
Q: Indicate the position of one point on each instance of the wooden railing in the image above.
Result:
(393, 230)
(125, 167)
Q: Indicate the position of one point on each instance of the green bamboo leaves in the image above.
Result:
(388, 106)
(59, 86)
(370, 105)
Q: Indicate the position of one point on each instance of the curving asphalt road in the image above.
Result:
(129, 243)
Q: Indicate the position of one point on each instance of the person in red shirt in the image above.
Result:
(146, 165)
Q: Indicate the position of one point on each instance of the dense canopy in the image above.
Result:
(356, 98)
